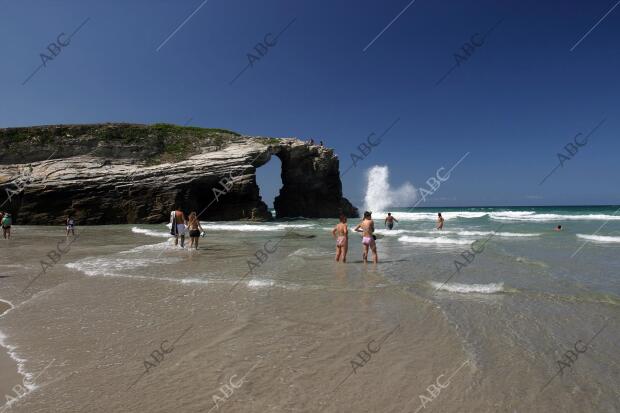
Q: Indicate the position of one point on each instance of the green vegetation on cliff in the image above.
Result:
(154, 144)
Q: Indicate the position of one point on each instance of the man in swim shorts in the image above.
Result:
(341, 233)
(389, 221)
(177, 226)
(367, 228)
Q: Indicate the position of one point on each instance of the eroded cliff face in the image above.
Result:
(119, 173)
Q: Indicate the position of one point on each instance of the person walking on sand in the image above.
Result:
(177, 226)
(70, 225)
(341, 233)
(439, 221)
(389, 221)
(195, 229)
(367, 228)
(6, 225)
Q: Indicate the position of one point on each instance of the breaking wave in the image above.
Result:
(599, 238)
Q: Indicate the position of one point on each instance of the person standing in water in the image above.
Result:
(177, 226)
(439, 221)
(195, 229)
(70, 225)
(367, 228)
(7, 221)
(558, 228)
(341, 233)
(389, 221)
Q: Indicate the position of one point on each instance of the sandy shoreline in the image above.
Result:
(296, 350)
(122, 323)
(9, 376)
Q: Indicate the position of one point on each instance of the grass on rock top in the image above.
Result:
(163, 142)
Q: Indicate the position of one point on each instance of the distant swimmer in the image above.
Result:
(558, 228)
(195, 229)
(70, 225)
(177, 226)
(439, 221)
(390, 220)
(341, 233)
(7, 221)
(367, 227)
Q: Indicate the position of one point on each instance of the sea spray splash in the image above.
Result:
(379, 193)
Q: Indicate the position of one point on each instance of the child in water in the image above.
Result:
(341, 233)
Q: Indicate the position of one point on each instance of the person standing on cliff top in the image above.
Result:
(177, 226)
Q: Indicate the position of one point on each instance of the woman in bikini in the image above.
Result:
(194, 230)
(341, 233)
(367, 227)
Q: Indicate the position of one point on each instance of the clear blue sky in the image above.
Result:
(513, 104)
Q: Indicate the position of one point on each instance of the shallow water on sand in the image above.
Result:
(121, 304)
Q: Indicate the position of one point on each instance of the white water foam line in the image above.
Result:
(469, 288)
(21, 369)
(600, 238)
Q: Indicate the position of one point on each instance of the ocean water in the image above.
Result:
(497, 287)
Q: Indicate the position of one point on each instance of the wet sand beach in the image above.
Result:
(10, 375)
(125, 322)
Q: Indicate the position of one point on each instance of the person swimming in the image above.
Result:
(341, 233)
(367, 228)
(389, 221)
(439, 221)
(558, 228)
(195, 229)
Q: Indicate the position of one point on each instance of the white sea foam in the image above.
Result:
(251, 227)
(533, 216)
(470, 288)
(435, 240)
(310, 252)
(599, 238)
(150, 233)
(28, 380)
(379, 193)
(254, 283)
(106, 267)
(497, 234)
(111, 266)
(393, 232)
(427, 216)
(527, 216)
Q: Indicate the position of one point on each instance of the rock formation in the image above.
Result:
(122, 173)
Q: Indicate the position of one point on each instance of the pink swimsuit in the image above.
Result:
(340, 240)
(366, 240)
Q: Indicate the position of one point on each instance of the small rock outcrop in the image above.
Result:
(125, 173)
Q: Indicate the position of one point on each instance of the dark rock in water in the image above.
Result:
(125, 173)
